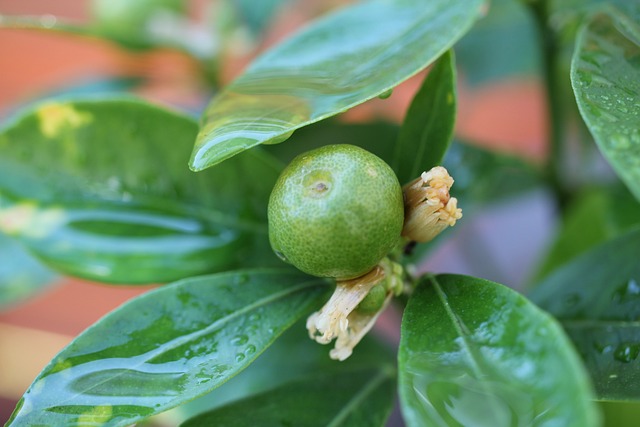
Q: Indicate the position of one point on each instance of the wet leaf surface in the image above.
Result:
(473, 352)
(167, 347)
(596, 297)
(332, 65)
(605, 75)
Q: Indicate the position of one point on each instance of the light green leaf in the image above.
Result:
(597, 298)
(21, 276)
(605, 75)
(167, 347)
(427, 130)
(356, 398)
(100, 189)
(331, 66)
(475, 353)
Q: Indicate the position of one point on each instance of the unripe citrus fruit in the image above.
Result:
(336, 212)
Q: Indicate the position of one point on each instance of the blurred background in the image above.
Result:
(501, 108)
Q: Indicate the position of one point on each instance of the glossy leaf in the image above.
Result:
(594, 217)
(167, 347)
(356, 398)
(101, 190)
(21, 276)
(291, 357)
(427, 130)
(473, 352)
(331, 66)
(605, 75)
(597, 299)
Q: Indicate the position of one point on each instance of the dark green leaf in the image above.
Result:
(21, 275)
(482, 176)
(331, 66)
(597, 299)
(101, 190)
(473, 352)
(428, 126)
(291, 357)
(594, 217)
(376, 137)
(167, 347)
(356, 398)
(605, 74)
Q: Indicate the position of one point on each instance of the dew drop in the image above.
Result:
(239, 340)
(240, 357)
(385, 95)
(628, 291)
(626, 352)
(572, 299)
(281, 256)
(251, 349)
(254, 317)
(241, 279)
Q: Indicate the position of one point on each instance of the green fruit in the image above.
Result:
(336, 212)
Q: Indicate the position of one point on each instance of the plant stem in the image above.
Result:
(555, 108)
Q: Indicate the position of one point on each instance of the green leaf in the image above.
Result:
(427, 130)
(377, 137)
(473, 352)
(257, 15)
(331, 66)
(21, 276)
(167, 347)
(503, 45)
(357, 398)
(483, 176)
(594, 217)
(605, 75)
(597, 299)
(100, 189)
(292, 357)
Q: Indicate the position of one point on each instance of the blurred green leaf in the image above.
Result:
(21, 276)
(483, 176)
(331, 66)
(502, 45)
(101, 190)
(597, 298)
(257, 15)
(594, 217)
(605, 75)
(476, 353)
(355, 398)
(427, 130)
(291, 357)
(620, 414)
(136, 24)
(167, 347)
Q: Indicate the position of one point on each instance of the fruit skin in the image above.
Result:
(336, 212)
